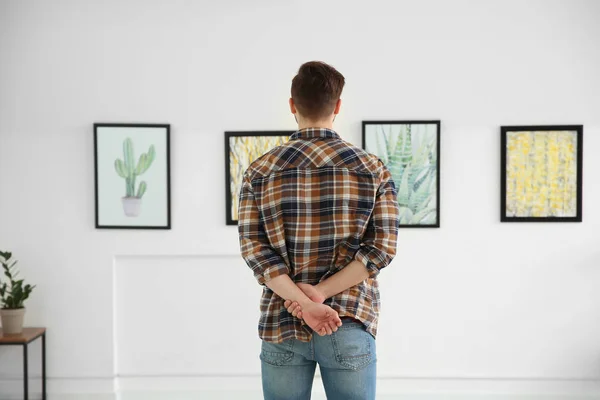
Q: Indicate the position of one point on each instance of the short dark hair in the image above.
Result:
(316, 89)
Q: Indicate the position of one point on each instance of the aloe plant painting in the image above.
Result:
(128, 169)
(410, 152)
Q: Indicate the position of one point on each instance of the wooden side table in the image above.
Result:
(24, 339)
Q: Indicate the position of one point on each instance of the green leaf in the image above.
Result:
(146, 160)
(422, 215)
(425, 178)
(151, 154)
(141, 189)
(129, 191)
(421, 194)
(14, 292)
(392, 141)
(141, 167)
(403, 150)
(405, 215)
(425, 150)
(404, 190)
(128, 156)
(120, 168)
(380, 147)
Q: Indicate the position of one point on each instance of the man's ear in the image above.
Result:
(292, 106)
(338, 105)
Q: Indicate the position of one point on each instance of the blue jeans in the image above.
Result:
(347, 360)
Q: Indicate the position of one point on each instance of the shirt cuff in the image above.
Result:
(273, 272)
(363, 257)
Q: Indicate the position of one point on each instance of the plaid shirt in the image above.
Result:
(307, 209)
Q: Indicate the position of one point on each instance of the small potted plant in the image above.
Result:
(13, 294)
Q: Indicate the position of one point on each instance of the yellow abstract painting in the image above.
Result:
(243, 150)
(541, 174)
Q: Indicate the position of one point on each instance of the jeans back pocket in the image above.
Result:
(277, 353)
(354, 347)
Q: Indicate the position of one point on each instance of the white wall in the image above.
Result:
(475, 299)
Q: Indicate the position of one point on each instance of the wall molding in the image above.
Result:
(130, 256)
(109, 388)
(386, 385)
(71, 388)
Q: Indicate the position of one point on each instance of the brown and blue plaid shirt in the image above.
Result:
(307, 209)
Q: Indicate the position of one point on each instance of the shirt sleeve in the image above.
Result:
(378, 246)
(256, 250)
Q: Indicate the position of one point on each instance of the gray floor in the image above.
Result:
(230, 395)
(258, 396)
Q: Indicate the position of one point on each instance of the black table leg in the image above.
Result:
(44, 366)
(25, 373)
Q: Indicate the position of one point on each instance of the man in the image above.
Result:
(318, 220)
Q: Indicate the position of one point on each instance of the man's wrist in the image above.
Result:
(305, 302)
(322, 289)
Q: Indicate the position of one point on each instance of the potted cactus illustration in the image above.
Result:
(129, 170)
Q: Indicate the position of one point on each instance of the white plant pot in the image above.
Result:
(12, 321)
(132, 206)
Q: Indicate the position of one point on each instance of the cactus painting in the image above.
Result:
(409, 149)
(541, 173)
(128, 169)
(132, 168)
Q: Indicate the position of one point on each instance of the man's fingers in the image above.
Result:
(300, 314)
(287, 303)
(328, 329)
(296, 311)
(333, 326)
(291, 307)
(337, 320)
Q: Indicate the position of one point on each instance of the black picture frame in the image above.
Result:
(229, 219)
(438, 125)
(167, 128)
(578, 129)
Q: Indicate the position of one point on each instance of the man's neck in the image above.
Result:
(311, 126)
(315, 124)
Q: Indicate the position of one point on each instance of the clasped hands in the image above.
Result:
(321, 318)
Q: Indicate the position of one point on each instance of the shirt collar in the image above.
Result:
(310, 133)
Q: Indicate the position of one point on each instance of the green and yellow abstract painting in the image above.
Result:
(243, 150)
(541, 174)
(410, 152)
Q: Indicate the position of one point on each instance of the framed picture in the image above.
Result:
(241, 149)
(541, 173)
(411, 152)
(132, 172)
